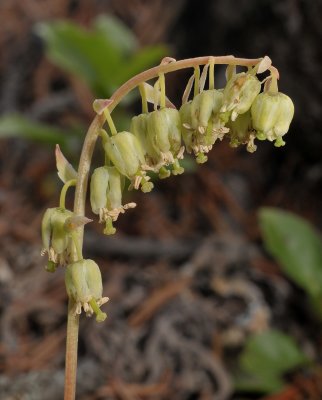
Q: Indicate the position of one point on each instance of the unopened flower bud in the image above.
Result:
(239, 94)
(272, 114)
(83, 282)
(55, 237)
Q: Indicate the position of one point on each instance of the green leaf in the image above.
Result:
(15, 125)
(116, 33)
(296, 246)
(264, 360)
(103, 57)
(271, 353)
(89, 55)
(258, 384)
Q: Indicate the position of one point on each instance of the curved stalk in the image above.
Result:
(82, 182)
(175, 66)
(67, 185)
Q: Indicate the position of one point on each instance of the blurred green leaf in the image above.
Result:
(116, 33)
(271, 353)
(260, 384)
(264, 360)
(296, 246)
(15, 125)
(104, 57)
(86, 54)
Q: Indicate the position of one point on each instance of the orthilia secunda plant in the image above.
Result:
(247, 109)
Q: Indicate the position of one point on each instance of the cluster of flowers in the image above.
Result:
(157, 140)
(156, 143)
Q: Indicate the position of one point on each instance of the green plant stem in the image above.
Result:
(211, 75)
(196, 74)
(162, 90)
(67, 185)
(143, 97)
(77, 246)
(110, 121)
(82, 183)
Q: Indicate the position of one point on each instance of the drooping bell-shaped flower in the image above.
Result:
(84, 286)
(55, 236)
(239, 94)
(106, 189)
(164, 141)
(241, 132)
(201, 125)
(139, 128)
(126, 153)
(272, 113)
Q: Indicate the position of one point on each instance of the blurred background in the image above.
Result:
(205, 301)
